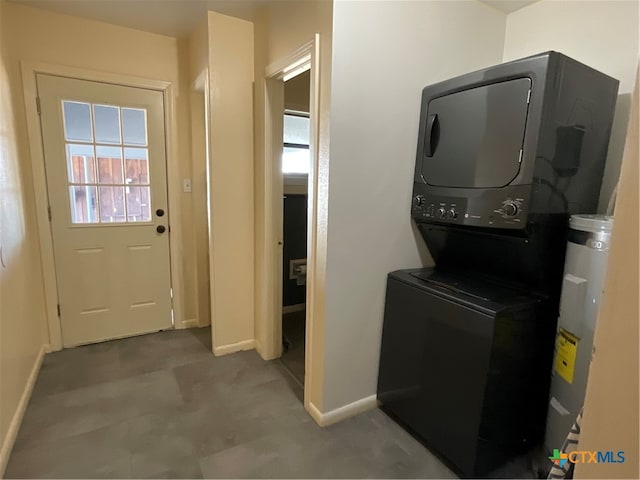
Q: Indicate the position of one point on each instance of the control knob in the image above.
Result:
(442, 213)
(452, 214)
(510, 209)
(418, 200)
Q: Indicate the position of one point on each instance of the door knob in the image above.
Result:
(160, 212)
(161, 229)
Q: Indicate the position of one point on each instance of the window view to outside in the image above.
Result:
(107, 163)
(295, 154)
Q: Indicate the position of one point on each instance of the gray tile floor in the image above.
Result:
(293, 331)
(161, 406)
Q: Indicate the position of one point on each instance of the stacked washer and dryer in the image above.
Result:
(505, 155)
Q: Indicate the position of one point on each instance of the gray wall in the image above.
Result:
(295, 246)
(384, 54)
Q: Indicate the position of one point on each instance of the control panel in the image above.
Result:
(447, 209)
(495, 210)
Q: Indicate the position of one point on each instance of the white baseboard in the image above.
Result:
(315, 413)
(190, 323)
(234, 347)
(344, 412)
(258, 347)
(16, 421)
(293, 308)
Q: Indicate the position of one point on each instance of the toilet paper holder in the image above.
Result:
(298, 270)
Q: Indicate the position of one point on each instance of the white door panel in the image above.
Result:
(105, 159)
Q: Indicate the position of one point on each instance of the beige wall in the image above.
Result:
(296, 93)
(199, 66)
(603, 34)
(260, 52)
(384, 54)
(199, 149)
(40, 36)
(231, 205)
(199, 49)
(187, 227)
(611, 407)
(23, 329)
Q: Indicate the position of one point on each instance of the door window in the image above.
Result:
(107, 163)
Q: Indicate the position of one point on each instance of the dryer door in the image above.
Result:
(473, 138)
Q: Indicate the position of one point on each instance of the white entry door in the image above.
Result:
(104, 148)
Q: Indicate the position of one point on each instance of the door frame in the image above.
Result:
(270, 298)
(36, 147)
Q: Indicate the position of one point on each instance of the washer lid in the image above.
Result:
(591, 223)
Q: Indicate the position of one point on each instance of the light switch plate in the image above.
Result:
(186, 185)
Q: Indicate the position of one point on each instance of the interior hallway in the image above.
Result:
(162, 406)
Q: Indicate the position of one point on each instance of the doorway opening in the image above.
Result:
(270, 269)
(295, 179)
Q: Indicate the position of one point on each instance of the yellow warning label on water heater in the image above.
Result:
(566, 350)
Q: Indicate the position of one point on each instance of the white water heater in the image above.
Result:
(583, 281)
